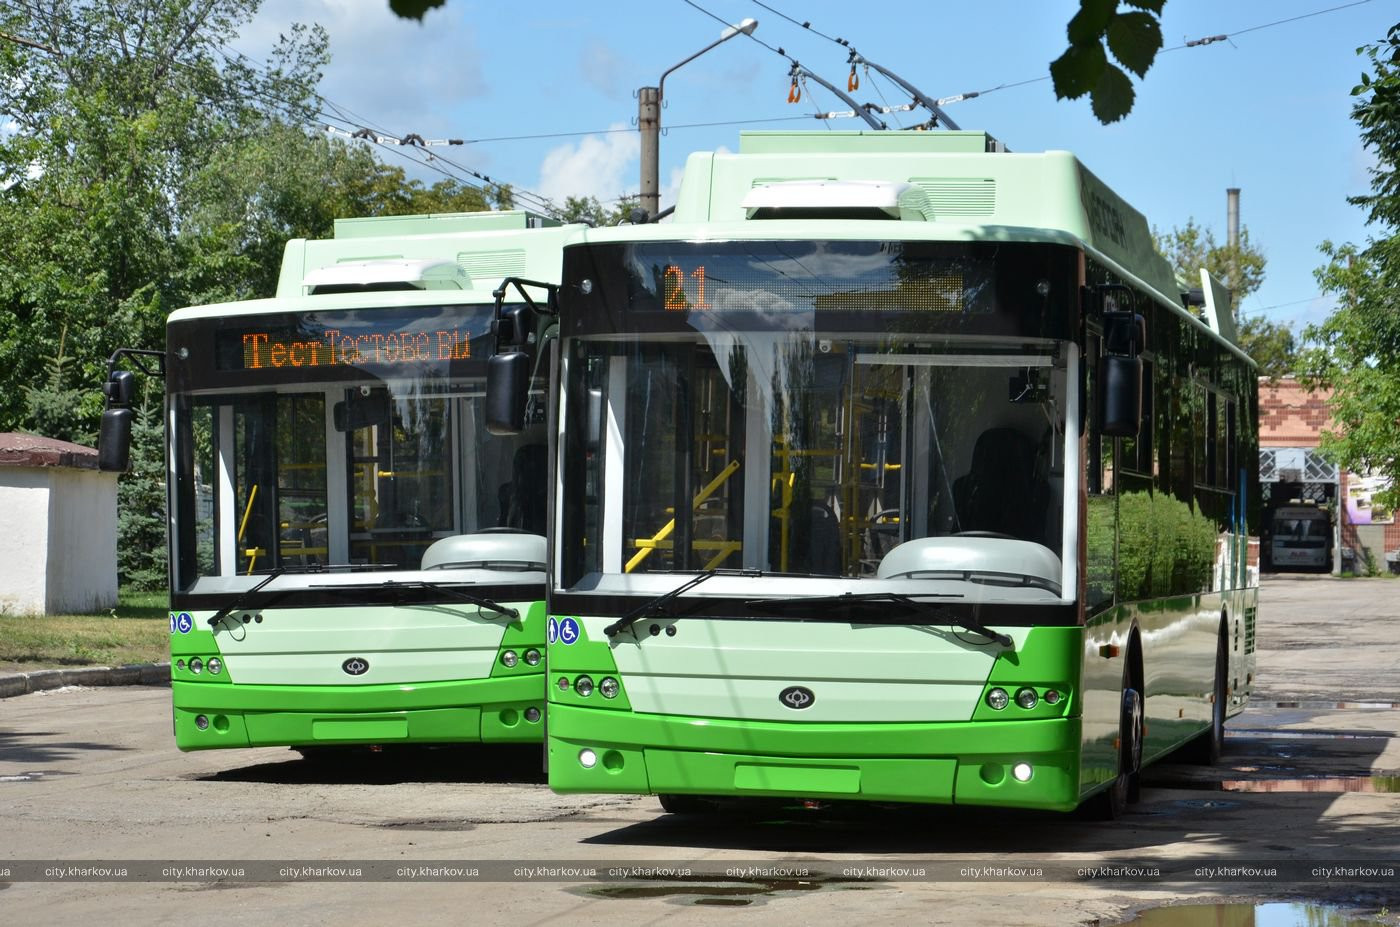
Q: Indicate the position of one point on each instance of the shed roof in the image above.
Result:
(22, 450)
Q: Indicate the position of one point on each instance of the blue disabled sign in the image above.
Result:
(553, 630)
(568, 631)
(184, 623)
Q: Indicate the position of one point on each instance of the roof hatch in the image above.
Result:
(364, 276)
(834, 199)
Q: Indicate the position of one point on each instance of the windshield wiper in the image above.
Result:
(656, 606)
(238, 603)
(894, 598)
(453, 591)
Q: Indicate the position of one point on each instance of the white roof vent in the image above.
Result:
(815, 199)
(400, 274)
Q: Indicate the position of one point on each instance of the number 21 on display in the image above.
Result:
(684, 291)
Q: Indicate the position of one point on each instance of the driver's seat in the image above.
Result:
(999, 492)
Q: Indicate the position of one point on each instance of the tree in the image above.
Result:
(589, 210)
(1356, 351)
(1241, 268)
(115, 115)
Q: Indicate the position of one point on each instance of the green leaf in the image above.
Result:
(1112, 97)
(1090, 22)
(413, 9)
(1135, 39)
(1154, 6)
(1077, 71)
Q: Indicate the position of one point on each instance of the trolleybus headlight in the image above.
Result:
(998, 699)
(608, 687)
(201, 722)
(532, 657)
(508, 658)
(532, 715)
(583, 685)
(1052, 696)
(1022, 772)
(587, 758)
(1027, 697)
(563, 683)
(196, 666)
(216, 666)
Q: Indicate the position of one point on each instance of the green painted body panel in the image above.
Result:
(943, 763)
(862, 673)
(435, 676)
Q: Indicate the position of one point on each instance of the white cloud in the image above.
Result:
(369, 46)
(604, 166)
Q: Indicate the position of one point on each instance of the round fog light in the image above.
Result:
(508, 658)
(608, 687)
(1052, 696)
(532, 714)
(563, 683)
(196, 666)
(587, 758)
(1027, 697)
(532, 657)
(998, 699)
(216, 666)
(201, 722)
(583, 685)
(1022, 772)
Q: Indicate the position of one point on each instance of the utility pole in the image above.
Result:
(1232, 238)
(649, 121)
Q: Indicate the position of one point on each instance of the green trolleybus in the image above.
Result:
(354, 559)
(893, 468)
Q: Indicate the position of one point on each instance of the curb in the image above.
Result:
(135, 674)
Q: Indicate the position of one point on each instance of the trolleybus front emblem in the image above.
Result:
(797, 697)
(356, 666)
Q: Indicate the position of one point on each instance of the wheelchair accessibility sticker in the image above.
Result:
(565, 631)
(182, 623)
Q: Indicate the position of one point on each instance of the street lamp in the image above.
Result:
(649, 120)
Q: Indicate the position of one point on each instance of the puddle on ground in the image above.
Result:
(1275, 734)
(1324, 785)
(719, 890)
(1275, 914)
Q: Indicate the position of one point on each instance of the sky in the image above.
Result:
(542, 92)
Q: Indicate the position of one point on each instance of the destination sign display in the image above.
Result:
(412, 346)
(336, 343)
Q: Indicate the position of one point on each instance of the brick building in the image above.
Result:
(1291, 421)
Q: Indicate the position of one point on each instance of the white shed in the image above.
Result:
(58, 543)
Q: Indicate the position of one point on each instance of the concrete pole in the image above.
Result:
(1232, 234)
(649, 124)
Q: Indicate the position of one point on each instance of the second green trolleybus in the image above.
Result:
(354, 559)
(893, 468)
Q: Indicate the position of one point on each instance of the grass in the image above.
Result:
(136, 631)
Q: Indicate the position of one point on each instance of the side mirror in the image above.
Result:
(507, 391)
(114, 441)
(1120, 396)
(119, 389)
(1120, 374)
(360, 413)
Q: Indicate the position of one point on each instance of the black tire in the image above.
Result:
(1113, 802)
(1207, 747)
(684, 804)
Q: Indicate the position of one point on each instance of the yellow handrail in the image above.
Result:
(252, 554)
(665, 532)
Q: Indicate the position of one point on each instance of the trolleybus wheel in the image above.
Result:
(684, 804)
